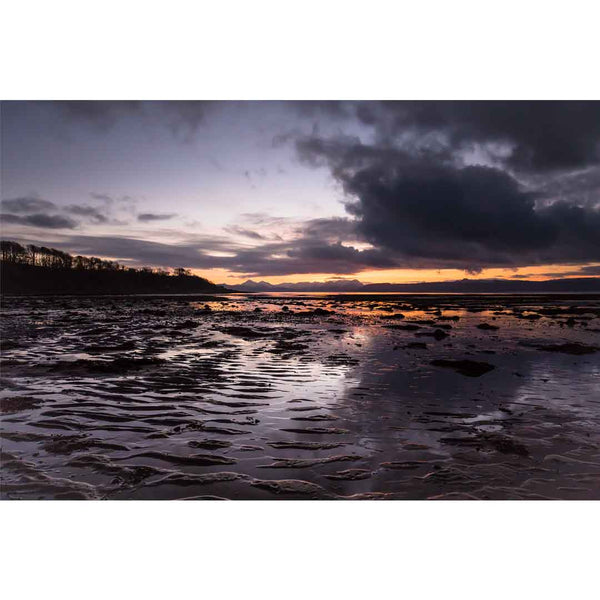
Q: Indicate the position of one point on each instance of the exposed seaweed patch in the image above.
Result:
(18, 404)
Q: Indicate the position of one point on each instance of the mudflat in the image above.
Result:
(301, 397)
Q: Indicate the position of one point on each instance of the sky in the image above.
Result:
(310, 191)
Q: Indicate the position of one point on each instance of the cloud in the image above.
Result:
(27, 204)
(301, 255)
(578, 187)
(103, 197)
(249, 233)
(539, 136)
(333, 230)
(148, 217)
(590, 270)
(90, 212)
(39, 220)
(587, 271)
(182, 118)
(102, 115)
(426, 211)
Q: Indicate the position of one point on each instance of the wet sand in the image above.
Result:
(301, 397)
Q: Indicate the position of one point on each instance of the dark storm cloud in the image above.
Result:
(429, 212)
(579, 187)
(27, 205)
(542, 135)
(303, 256)
(149, 217)
(463, 206)
(334, 230)
(345, 258)
(39, 220)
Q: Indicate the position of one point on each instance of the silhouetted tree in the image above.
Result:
(46, 268)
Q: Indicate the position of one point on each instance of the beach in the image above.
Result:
(301, 396)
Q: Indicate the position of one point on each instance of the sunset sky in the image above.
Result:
(301, 191)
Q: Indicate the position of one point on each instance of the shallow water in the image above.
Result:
(258, 397)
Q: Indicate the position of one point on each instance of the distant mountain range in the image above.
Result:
(483, 286)
(338, 285)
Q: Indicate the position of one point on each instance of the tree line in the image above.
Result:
(41, 256)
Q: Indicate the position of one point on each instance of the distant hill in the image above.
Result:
(34, 270)
(475, 286)
(339, 285)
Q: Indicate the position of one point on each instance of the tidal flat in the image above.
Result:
(301, 396)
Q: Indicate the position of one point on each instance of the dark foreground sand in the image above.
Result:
(399, 397)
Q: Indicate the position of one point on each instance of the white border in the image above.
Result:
(315, 49)
(300, 550)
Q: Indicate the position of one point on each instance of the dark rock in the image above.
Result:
(487, 327)
(189, 324)
(244, 332)
(417, 346)
(438, 334)
(469, 368)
